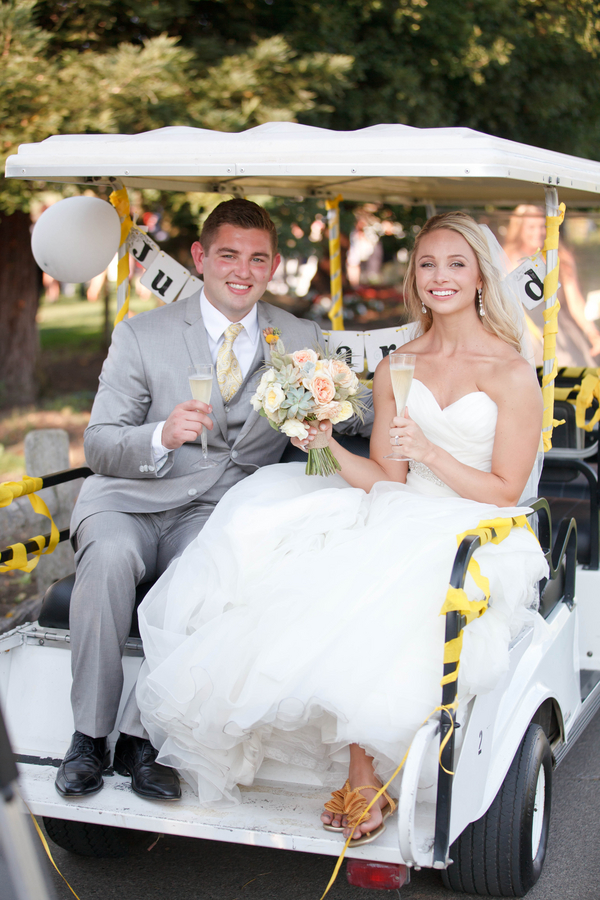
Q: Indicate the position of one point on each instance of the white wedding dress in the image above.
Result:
(305, 615)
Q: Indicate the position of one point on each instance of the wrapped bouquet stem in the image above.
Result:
(303, 388)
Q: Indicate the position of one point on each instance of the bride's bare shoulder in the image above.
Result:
(507, 374)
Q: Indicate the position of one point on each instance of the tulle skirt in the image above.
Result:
(305, 617)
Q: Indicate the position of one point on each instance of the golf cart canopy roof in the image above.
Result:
(389, 163)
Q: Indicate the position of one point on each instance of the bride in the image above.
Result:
(303, 623)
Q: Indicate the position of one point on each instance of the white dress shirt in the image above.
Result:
(245, 347)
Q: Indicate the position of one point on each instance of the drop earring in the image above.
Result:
(481, 309)
(423, 308)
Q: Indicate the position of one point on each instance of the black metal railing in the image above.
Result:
(50, 481)
(561, 553)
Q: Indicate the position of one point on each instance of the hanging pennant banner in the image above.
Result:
(165, 277)
(142, 247)
(349, 343)
(383, 342)
(527, 281)
(192, 285)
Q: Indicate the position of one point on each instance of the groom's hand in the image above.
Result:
(185, 423)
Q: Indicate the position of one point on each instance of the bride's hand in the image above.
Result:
(408, 437)
(304, 443)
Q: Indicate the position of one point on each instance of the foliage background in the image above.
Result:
(528, 70)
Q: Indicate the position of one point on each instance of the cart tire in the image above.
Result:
(87, 839)
(502, 854)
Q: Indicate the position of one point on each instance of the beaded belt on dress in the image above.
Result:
(425, 472)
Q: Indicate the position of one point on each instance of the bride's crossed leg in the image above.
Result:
(360, 773)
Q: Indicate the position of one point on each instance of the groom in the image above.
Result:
(148, 499)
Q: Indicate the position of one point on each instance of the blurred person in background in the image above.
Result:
(578, 340)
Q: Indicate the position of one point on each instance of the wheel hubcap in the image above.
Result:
(539, 804)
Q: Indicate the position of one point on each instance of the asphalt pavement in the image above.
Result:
(188, 869)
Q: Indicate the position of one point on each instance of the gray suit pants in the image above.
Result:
(114, 552)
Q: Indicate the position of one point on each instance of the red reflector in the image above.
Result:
(376, 875)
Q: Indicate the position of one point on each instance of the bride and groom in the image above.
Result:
(302, 623)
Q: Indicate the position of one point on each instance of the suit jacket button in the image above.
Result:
(234, 454)
(192, 492)
(151, 468)
(142, 469)
(226, 408)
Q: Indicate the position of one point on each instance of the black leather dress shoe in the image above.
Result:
(137, 757)
(80, 772)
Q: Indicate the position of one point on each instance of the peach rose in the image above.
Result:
(329, 411)
(322, 388)
(342, 374)
(301, 357)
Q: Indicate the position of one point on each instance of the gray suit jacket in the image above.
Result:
(143, 378)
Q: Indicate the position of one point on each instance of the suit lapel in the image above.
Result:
(195, 337)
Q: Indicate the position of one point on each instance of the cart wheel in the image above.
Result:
(87, 839)
(502, 854)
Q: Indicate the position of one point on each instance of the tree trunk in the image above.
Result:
(19, 297)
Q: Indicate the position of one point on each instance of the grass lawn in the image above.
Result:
(72, 324)
(72, 351)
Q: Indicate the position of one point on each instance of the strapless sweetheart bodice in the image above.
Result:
(465, 428)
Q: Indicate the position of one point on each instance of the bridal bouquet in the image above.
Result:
(306, 387)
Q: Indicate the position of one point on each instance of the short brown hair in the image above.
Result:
(240, 212)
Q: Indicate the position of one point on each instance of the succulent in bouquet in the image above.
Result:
(305, 387)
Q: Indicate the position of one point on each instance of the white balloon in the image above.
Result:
(76, 238)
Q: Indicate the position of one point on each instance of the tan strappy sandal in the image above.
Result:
(336, 806)
(355, 804)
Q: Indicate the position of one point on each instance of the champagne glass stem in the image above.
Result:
(204, 439)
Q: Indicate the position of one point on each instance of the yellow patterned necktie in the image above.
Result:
(229, 374)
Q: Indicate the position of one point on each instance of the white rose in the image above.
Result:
(294, 428)
(345, 412)
(274, 397)
(256, 402)
(267, 379)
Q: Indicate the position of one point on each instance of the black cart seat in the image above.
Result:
(57, 601)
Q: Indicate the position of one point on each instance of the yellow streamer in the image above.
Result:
(494, 530)
(590, 388)
(120, 201)
(47, 849)
(449, 709)
(336, 313)
(9, 491)
(553, 224)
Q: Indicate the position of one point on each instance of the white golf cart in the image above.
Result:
(486, 825)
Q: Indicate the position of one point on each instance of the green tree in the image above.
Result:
(527, 70)
(78, 83)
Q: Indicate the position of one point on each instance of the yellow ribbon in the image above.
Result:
(488, 530)
(590, 388)
(553, 224)
(451, 707)
(47, 849)
(336, 313)
(9, 491)
(120, 201)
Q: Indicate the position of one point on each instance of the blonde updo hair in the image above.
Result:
(500, 316)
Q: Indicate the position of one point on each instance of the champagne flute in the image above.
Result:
(402, 369)
(201, 378)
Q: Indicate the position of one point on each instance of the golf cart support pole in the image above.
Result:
(454, 625)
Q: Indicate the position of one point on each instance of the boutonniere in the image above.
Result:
(271, 335)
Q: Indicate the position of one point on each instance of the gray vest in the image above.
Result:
(237, 411)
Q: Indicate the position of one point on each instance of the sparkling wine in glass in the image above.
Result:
(201, 379)
(402, 369)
